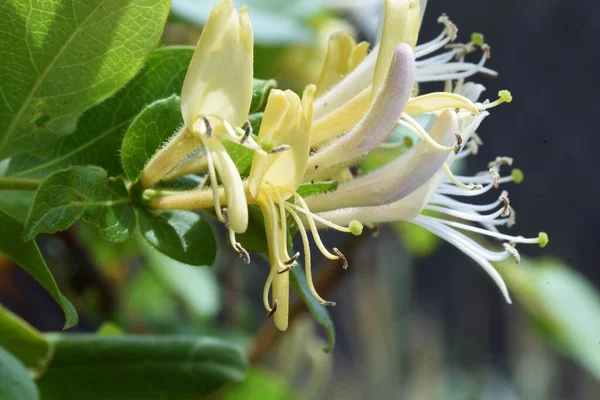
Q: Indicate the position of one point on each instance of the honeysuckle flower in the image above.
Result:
(403, 203)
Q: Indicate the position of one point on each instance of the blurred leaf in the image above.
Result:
(64, 57)
(23, 341)
(181, 235)
(100, 130)
(564, 303)
(418, 241)
(196, 288)
(147, 297)
(147, 134)
(28, 256)
(139, 367)
(86, 193)
(15, 381)
(310, 189)
(260, 385)
(256, 120)
(254, 239)
(319, 312)
(110, 329)
(260, 93)
(273, 21)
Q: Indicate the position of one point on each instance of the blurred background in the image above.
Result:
(416, 319)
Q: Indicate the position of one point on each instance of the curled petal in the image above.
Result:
(376, 124)
(396, 179)
(237, 207)
(343, 55)
(401, 25)
(286, 121)
(219, 79)
(431, 102)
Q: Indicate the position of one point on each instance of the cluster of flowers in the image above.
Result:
(359, 99)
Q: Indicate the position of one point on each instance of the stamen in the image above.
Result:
(407, 121)
(500, 161)
(293, 259)
(459, 142)
(279, 149)
(272, 310)
(212, 173)
(307, 258)
(247, 132)
(512, 218)
(237, 246)
(328, 303)
(506, 209)
(342, 257)
(513, 252)
(207, 125)
(495, 176)
(504, 97)
(458, 183)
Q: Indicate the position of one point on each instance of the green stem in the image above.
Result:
(8, 183)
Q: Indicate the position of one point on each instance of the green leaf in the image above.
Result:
(86, 193)
(100, 130)
(181, 235)
(15, 381)
(23, 341)
(260, 93)
(311, 189)
(61, 57)
(147, 134)
(139, 367)
(319, 312)
(563, 303)
(28, 256)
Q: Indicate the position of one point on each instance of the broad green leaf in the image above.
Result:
(15, 381)
(100, 130)
(310, 189)
(260, 94)
(23, 341)
(139, 367)
(148, 133)
(563, 304)
(60, 57)
(319, 312)
(28, 256)
(86, 193)
(181, 235)
(260, 385)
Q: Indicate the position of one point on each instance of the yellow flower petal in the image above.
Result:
(343, 55)
(219, 79)
(286, 121)
(439, 101)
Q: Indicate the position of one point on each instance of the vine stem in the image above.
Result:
(8, 183)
